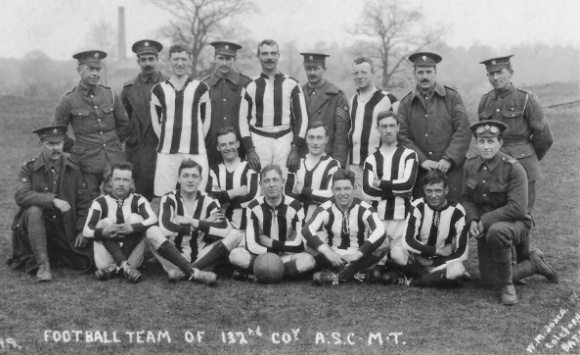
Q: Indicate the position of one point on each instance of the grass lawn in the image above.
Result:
(79, 315)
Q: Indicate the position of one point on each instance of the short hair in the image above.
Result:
(188, 164)
(226, 130)
(385, 114)
(268, 42)
(361, 60)
(122, 166)
(343, 174)
(434, 177)
(178, 48)
(317, 124)
(265, 170)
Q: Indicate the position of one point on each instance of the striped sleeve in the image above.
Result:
(324, 193)
(253, 230)
(95, 213)
(412, 237)
(293, 242)
(146, 212)
(370, 192)
(253, 190)
(167, 213)
(213, 186)
(461, 237)
(156, 109)
(205, 109)
(299, 114)
(246, 105)
(318, 220)
(405, 183)
(376, 228)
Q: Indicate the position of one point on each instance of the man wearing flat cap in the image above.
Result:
(142, 142)
(495, 197)
(529, 136)
(54, 203)
(98, 120)
(326, 103)
(225, 88)
(434, 123)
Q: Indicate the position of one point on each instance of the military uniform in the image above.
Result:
(99, 123)
(436, 127)
(495, 193)
(40, 231)
(329, 105)
(529, 137)
(141, 143)
(225, 93)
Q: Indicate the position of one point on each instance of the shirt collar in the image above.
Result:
(266, 76)
(86, 91)
(491, 164)
(437, 89)
(153, 78)
(232, 76)
(503, 93)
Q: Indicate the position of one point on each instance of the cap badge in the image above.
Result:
(227, 47)
(55, 131)
(311, 58)
(493, 62)
(96, 55)
(424, 57)
(146, 44)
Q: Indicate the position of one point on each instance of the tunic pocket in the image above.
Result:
(512, 114)
(80, 122)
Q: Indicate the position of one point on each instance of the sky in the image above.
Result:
(59, 27)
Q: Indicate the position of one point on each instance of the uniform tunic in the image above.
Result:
(37, 187)
(529, 136)
(436, 126)
(329, 105)
(99, 123)
(142, 142)
(225, 95)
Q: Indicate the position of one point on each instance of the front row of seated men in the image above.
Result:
(418, 243)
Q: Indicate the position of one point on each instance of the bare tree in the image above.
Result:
(103, 36)
(196, 21)
(390, 32)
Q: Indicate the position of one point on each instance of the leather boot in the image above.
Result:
(43, 274)
(542, 267)
(503, 265)
(434, 279)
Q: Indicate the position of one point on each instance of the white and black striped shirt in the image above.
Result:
(428, 229)
(273, 105)
(359, 228)
(317, 182)
(189, 242)
(181, 118)
(397, 173)
(222, 180)
(282, 224)
(106, 206)
(364, 138)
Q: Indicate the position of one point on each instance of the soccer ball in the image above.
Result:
(269, 268)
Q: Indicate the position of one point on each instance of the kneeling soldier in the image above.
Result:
(495, 196)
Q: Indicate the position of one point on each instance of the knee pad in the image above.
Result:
(455, 270)
(399, 255)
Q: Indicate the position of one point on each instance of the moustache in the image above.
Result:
(425, 81)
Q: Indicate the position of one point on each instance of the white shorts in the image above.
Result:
(396, 229)
(103, 258)
(273, 151)
(167, 171)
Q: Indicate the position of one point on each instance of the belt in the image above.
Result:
(274, 135)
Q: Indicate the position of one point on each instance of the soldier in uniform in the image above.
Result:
(435, 124)
(98, 120)
(326, 103)
(529, 136)
(53, 203)
(142, 142)
(495, 197)
(225, 88)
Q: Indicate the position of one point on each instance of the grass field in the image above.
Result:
(297, 317)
